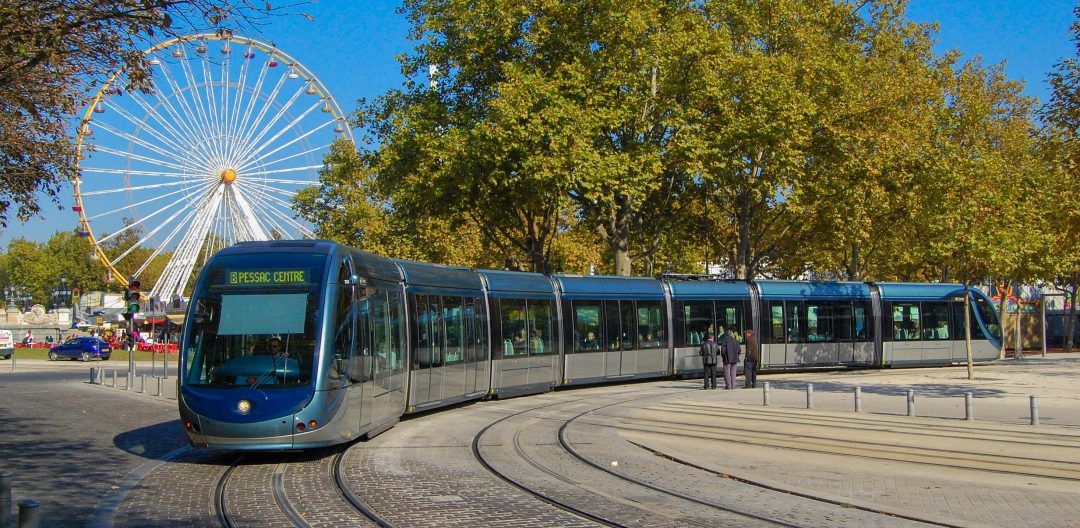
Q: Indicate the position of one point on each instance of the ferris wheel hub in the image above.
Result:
(228, 175)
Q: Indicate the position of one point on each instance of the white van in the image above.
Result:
(7, 344)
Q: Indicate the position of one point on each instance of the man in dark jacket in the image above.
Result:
(730, 351)
(753, 359)
(708, 352)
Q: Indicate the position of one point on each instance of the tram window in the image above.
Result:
(989, 315)
(478, 340)
(396, 320)
(861, 321)
(957, 309)
(628, 325)
(905, 321)
(935, 321)
(362, 344)
(423, 333)
(540, 328)
(819, 324)
(454, 331)
(842, 321)
(699, 321)
(650, 320)
(587, 335)
(611, 326)
(795, 320)
(343, 338)
(514, 331)
(729, 315)
(776, 322)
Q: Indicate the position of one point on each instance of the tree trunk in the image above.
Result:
(1002, 292)
(620, 237)
(743, 211)
(854, 267)
(1070, 320)
(967, 330)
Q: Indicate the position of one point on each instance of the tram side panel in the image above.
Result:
(523, 361)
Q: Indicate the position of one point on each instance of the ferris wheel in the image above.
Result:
(213, 155)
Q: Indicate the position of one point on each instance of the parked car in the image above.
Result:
(83, 348)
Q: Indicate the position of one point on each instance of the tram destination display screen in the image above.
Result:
(266, 277)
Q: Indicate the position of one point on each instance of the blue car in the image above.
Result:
(82, 348)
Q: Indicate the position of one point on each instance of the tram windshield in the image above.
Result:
(985, 308)
(253, 322)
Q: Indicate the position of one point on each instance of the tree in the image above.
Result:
(1061, 147)
(532, 104)
(52, 55)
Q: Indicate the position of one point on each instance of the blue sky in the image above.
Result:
(352, 47)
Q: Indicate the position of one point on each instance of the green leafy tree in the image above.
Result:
(1061, 147)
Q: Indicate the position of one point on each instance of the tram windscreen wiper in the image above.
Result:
(271, 373)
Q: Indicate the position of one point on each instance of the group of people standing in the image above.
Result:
(728, 350)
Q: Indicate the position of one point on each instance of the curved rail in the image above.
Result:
(353, 499)
(277, 483)
(221, 510)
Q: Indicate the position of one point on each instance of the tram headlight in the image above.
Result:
(243, 406)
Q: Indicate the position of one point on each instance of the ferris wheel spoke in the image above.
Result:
(186, 192)
(249, 128)
(285, 171)
(234, 120)
(110, 150)
(150, 235)
(174, 154)
(201, 112)
(252, 149)
(177, 271)
(278, 212)
(250, 107)
(212, 105)
(136, 188)
(152, 130)
(124, 172)
(298, 138)
(250, 141)
(188, 118)
(312, 150)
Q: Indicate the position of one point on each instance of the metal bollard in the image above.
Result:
(1034, 409)
(809, 395)
(29, 513)
(158, 391)
(910, 402)
(5, 498)
(765, 394)
(93, 375)
(129, 381)
(858, 399)
(969, 406)
(113, 379)
(142, 383)
(101, 376)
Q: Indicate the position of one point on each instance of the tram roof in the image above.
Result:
(609, 287)
(422, 277)
(518, 283)
(892, 291)
(692, 289)
(774, 289)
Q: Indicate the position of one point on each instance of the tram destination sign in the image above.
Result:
(293, 276)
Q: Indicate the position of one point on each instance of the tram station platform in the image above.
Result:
(658, 453)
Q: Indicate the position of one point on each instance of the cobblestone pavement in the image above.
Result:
(70, 445)
(107, 457)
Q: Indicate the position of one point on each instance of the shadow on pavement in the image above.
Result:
(152, 441)
(922, 389)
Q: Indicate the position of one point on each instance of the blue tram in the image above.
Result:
(302, 344)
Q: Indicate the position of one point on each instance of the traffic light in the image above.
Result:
(132, 296)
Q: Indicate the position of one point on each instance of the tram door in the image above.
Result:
(426, 380)
(453, 372)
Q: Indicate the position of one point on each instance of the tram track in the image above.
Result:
(619, 509)
(220, 502)
(341, 485)
(993, 455)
